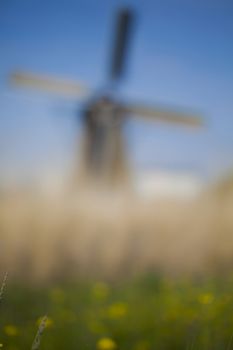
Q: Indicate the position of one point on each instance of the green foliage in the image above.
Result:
(141, 314)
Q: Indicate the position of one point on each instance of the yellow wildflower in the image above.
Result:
(48, 324)
(1, 345)
(11, 330)
(206, 298)
(106, 344)
(117, 310)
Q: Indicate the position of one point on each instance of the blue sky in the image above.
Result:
(181, 55)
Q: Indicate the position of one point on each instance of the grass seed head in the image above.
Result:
(3, 286)
(37, 340)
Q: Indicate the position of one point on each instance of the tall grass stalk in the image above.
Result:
(3, 286)
(37, 340)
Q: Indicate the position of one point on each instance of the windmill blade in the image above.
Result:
(124, 24)
(65, 88)
(165, 116)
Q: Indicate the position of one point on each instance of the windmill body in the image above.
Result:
(104, 155)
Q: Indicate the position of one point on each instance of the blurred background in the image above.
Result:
(105, 189)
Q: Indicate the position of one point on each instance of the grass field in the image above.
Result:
(149, 312)
(86, 242)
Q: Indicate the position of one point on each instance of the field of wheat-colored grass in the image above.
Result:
(114, 234)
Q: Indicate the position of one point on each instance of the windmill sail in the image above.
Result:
(45, 83)
(121, 41)
(165, 116)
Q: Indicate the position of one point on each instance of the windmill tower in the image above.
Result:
(104, 154)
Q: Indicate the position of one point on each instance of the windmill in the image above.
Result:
(103, 118)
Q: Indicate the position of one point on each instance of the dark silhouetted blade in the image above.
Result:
(121, 41)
